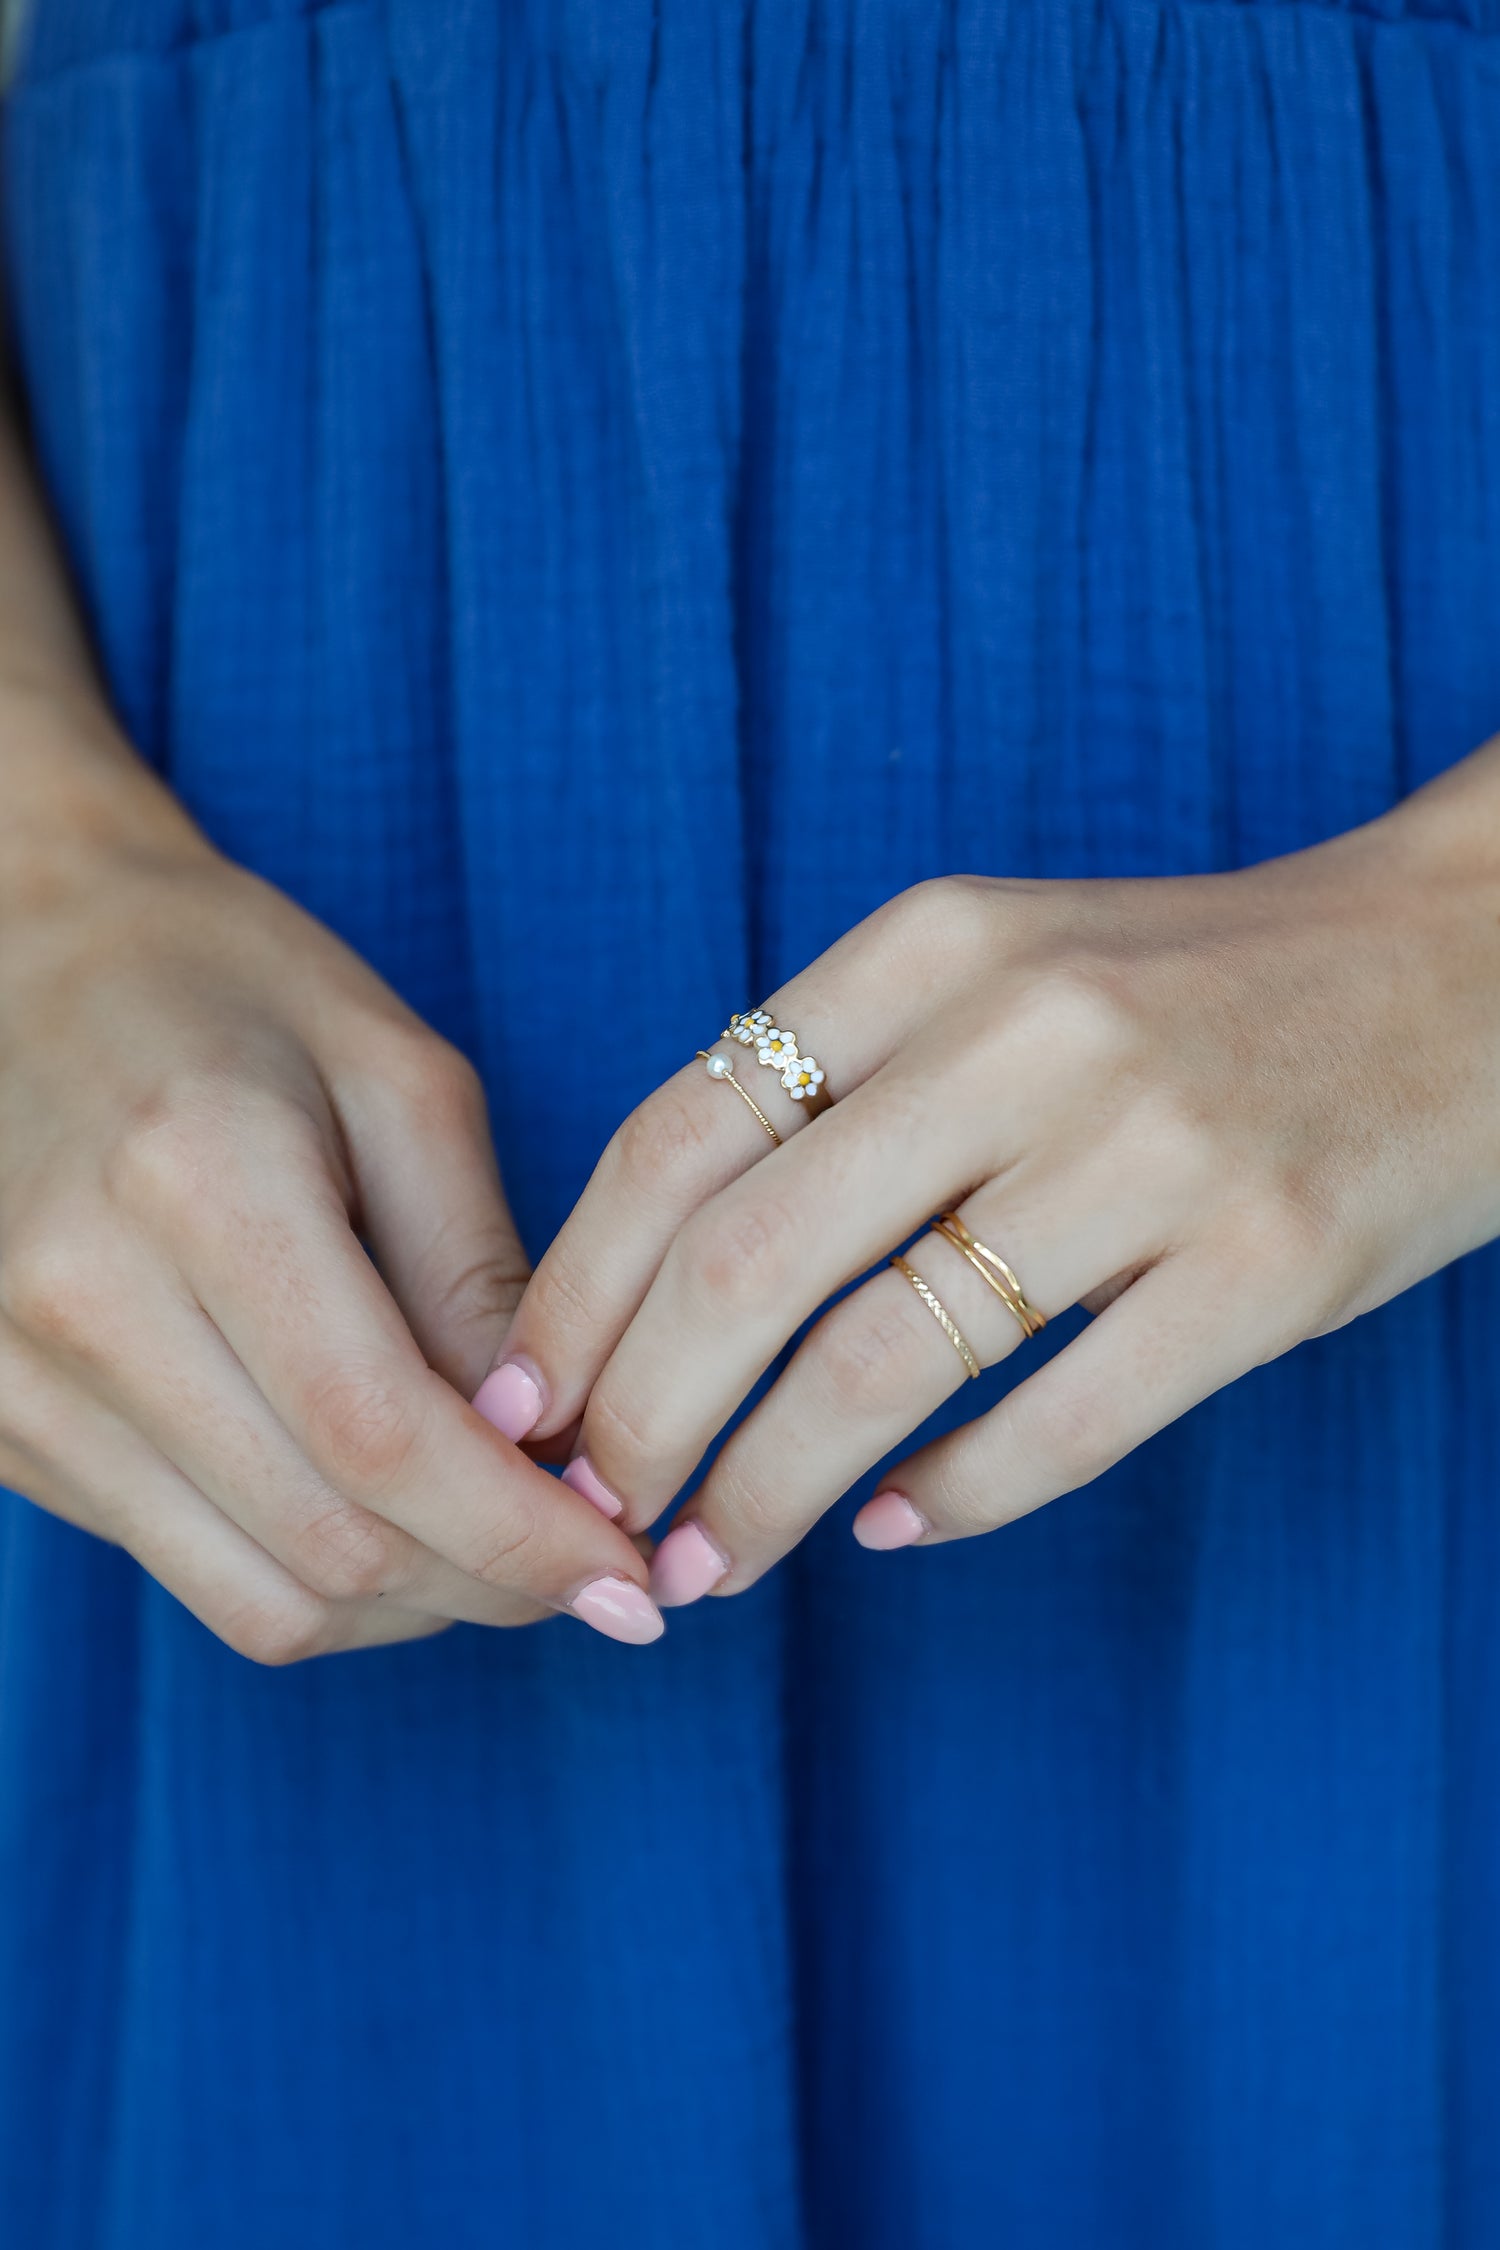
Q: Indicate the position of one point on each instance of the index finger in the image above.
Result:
(681, 1147)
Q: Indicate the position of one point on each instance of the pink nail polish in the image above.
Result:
(684, 1566)
(583, 1477)
(889, 1520)
(510, 1400)
(619, 1610)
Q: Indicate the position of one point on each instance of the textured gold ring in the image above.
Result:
(720, 1066)
(991, 1267)
(776, 1049)
(942, 1316)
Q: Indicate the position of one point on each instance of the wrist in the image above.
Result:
(1447, 834)
(78, 800)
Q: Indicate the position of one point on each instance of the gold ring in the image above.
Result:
(991, 1267)
(720, 1066)
(776, 1049)
(942, 1316)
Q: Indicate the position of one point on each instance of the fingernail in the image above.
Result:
(581, 1475)
(616, 1608)
(889, 1520)
(684, 1566)
(510, 1400)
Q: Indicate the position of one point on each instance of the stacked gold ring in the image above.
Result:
(942, 1316)
(991, 1268)
(776, 1049)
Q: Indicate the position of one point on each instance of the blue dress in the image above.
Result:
(593, 496)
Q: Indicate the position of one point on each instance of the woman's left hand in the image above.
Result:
(1224, 1113)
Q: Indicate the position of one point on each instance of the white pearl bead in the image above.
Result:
(719, 1066)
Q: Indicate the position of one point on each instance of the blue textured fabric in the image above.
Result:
(593, 496)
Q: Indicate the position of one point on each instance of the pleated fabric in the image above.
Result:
(593, 496)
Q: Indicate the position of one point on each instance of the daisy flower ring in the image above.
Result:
(776, 1049)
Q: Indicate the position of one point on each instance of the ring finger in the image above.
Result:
(78, 1460)
(880, 1362)
(214, 1425)
(152, 1355)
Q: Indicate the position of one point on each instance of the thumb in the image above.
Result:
(432, 1209)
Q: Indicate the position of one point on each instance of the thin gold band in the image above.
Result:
(726, 1077)
(993, 1269)
(942, 1316)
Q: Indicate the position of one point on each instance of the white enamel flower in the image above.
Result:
(747, 1029)
(801, 1077)
(776, 1047)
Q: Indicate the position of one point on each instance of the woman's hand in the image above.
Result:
(205, 1102)
(1225, 1113)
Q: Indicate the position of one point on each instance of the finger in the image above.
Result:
(1175, 1336)
(852, 1010)
(878, 1364)
(264, 1243)
(748, 1269)
(80, 1461)
(423, 1165)
(154, 1357)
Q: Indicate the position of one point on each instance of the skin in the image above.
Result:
(1225, 1113)
(254, 1253)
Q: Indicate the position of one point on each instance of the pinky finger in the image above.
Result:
(242, 1594)
(1161, 1346)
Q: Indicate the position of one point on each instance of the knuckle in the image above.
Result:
(443, 1084)
(346, 1554)
(624, 1434)
(755, 1516)
(663, 1138)
(867, 1359)
(1079, 1007)
(181, 1157)
(1168, 1133)
(365, 1427)
(948, 922)
(484, 1291)
(1287, 1249)
(278, 1632)
(1282, 1231)
(503, 1556)
(560, 1296)
(1071, 1019)
(1075, 1437)
(958, 909)
(742, 1260)
(50, 1282)
(958, 1500)
(169, 1151)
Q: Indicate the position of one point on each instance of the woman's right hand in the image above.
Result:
(208, 1105)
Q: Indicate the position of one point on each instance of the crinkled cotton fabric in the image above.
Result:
(593, 496)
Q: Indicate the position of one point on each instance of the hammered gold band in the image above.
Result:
(942, 1316)
(720, 1067)
(991, 1267)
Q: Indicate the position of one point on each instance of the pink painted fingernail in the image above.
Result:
(684, 1566)
(889, 1520)
(510, 1400)
(616, 1608)
(583, 1477)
